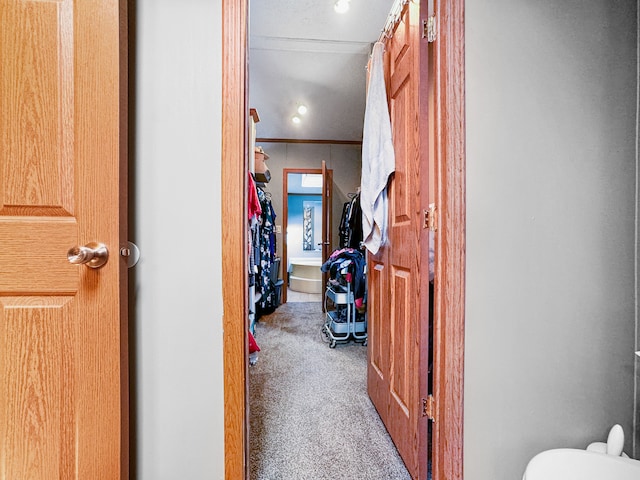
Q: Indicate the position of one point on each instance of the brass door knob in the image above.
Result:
(93, 255)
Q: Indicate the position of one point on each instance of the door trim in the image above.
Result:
(449, 301)
(126, 145)
(234, 246)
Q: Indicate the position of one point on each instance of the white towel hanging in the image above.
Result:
(378, 158)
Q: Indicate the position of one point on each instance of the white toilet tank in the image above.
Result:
(572, 464)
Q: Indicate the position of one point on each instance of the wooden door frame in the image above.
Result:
(127, 138)
(285, 220)
(327, 221)
(449, 298)
(234, 246)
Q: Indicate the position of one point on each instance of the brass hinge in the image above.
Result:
(429, 408)
(430, 218)
(430, 29)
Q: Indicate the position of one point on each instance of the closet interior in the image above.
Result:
(264, 263)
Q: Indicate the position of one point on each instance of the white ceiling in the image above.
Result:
(302, 51)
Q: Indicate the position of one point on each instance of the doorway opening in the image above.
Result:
(302, 234)
(449, 302)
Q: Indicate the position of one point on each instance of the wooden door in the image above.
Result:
(63, 354)
(327, 218)
(398, 274)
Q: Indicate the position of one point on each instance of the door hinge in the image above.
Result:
(429, 408)
(430, 218)
(430, 29)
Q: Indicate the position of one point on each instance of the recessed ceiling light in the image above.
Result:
(341, 6)
(302, 109)
(295, 119)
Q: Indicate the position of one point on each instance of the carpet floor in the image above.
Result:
(310, 415)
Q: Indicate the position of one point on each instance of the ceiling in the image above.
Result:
(302, 51)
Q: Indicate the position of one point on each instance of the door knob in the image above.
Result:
(93, 255)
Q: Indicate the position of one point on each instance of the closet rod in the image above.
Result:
(392, 20)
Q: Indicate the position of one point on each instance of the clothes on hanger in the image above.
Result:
(262, 247)
(350, 231)
(254, 208)
(254, 211)
(267, 253)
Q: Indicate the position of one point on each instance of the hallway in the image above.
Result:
(310, 415)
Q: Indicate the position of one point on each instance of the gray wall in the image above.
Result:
(551, 178)
(179, 418)
(178, 319)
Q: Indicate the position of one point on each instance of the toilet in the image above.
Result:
(613, 445)
(574, 464)
(599, 461)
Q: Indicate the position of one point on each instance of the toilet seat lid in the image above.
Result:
(569, 464)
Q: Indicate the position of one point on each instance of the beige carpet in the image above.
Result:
(310, 416)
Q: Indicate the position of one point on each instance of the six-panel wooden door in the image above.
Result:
(62, 338)
(398, 274)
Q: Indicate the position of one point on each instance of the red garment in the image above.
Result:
(254, 202)
(253, 346)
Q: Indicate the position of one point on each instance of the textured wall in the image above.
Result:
(551, 178)
(178, 320)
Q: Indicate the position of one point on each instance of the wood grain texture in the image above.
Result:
(398, 350)
(234, 246)
(450, 269)
(37, 368)
(126, 138)
(97, 149)
(285, 222)
(60, 184)
(427, 188)
(327, 219)
(37, 111)
(27, 245)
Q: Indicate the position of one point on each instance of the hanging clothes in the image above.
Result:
(267, 248)
(350, 231)
(378, 158)
(343, 229)
(254, 210)
(253, 202)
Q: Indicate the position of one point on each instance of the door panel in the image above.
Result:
(36, 364)
(399, 348)
(400, 321)
(34, 120)
(61, 337)
(327, 218)
(23, 236)
(378, 335)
